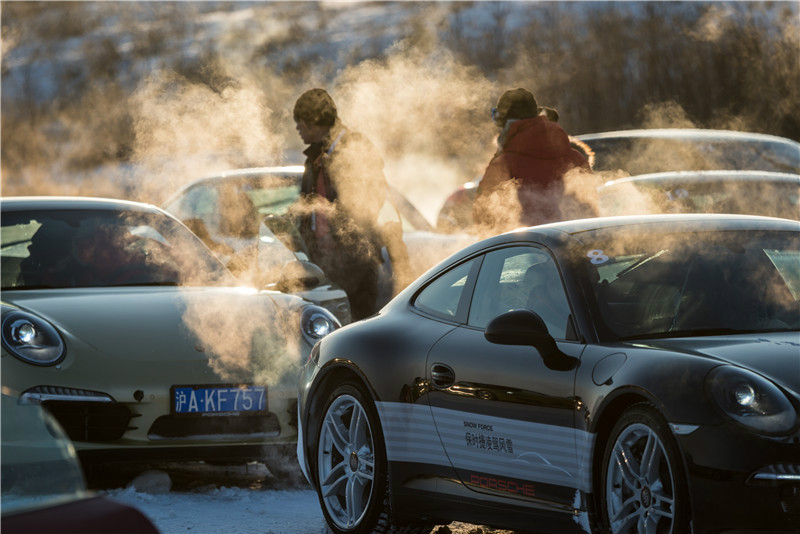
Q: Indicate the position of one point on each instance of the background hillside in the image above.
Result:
(134, 99)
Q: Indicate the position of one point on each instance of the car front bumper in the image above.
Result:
(740, 481)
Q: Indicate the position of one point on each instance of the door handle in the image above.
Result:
(442, 376)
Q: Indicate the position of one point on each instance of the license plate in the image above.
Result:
(218, 399)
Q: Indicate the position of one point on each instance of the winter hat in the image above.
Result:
(315, 106)
(515, 104)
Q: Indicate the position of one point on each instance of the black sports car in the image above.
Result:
(630, 374)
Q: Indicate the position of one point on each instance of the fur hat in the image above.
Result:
(315, 106)
(515, 104)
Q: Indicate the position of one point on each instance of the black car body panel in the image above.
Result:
(512, 435)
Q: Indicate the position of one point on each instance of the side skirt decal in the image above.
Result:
(509, 449)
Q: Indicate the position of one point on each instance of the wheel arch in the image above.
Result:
(603, 426)
(604, 423)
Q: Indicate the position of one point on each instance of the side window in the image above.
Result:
(521, 278)
(442, 296)
(199, 208)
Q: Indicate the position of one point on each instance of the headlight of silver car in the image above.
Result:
(316, 323)
(31, 339)
(751, 400)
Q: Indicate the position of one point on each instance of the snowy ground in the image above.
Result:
(193, 497)
(201, 499)
(229, 511)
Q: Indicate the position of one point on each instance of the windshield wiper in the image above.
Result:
(699, 332)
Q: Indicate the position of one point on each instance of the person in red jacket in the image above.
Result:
(523, 184)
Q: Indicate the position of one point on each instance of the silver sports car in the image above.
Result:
(140, 342)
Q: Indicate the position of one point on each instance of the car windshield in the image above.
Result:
(96, 248)
(701, 283)
(642, 155)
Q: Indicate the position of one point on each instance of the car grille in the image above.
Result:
(199, 427)
(91, 421)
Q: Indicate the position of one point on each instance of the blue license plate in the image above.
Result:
(218, 399)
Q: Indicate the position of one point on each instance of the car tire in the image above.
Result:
(351, 466)
(643, 486)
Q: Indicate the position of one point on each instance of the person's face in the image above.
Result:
(310, 133)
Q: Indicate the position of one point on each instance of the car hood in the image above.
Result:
(773, 355)
(147, 324)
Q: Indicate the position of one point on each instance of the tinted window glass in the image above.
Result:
(521, 278)
(442, 296)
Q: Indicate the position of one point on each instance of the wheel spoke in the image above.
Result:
(628, 468)
(651, 457)
(623, 523)
(626, 509)
(334, 481)
(352, 503)
(336, 430)
(357, 424)
(663, 505)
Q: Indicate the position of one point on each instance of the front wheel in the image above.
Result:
(643, 484)
(351, 463)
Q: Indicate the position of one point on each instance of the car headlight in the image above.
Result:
(317, 323)
(751, 400)
(31, 339)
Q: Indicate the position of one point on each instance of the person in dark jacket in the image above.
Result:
(343, 190)
(523, 184)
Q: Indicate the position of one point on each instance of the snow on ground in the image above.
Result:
(192, 497)
(229, 510)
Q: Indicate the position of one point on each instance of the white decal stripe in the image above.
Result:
(542, 453)
(409, 434)
(524, 450)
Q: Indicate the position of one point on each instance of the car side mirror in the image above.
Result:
(300, 275)
(518, 327)
(524, 327)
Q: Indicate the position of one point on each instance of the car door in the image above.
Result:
(506, 419)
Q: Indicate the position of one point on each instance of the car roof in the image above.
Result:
(696, 220)
(562, 233)
(559, 231)
(687, 133)
(25, 203)
(708, 176)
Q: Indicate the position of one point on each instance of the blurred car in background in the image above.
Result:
(120, 321)
(230, 212)
(633, 152)
(620, 374)
(746, 192)
(243, 215)
(43, 486)
(652, 150)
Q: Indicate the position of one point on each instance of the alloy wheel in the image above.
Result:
(640, 483)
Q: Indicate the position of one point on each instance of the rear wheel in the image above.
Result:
(643, 486)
